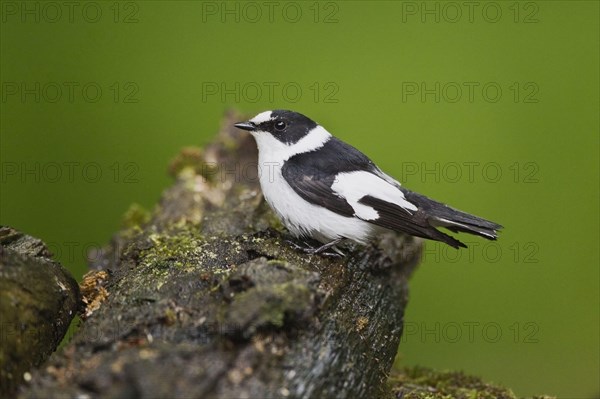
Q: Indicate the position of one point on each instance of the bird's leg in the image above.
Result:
(324, 247)
(300, 244)
(311, 250)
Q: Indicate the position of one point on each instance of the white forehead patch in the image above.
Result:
(262, 117)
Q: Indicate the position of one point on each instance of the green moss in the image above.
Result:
(274, 222)
(171, 250)
(190, 161)
(135, 217)
(268, 294)
(268, 306)
(424, 383)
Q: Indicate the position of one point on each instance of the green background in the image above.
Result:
(523, 312)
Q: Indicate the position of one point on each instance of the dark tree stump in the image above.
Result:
(38, 299)
(205, 298)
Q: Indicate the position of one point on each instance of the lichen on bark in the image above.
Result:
(425, 383)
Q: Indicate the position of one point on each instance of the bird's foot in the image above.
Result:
(329, 249)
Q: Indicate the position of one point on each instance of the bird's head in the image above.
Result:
(288, 127)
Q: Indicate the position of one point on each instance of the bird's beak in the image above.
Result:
(249, 126)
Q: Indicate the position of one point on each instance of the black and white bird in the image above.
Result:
(325, 189)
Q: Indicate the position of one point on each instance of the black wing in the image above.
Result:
(394, 217)
(311, 174)
(315, 187)
(453, 219)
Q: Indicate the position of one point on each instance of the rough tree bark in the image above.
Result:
(38, 299)
(205, 298)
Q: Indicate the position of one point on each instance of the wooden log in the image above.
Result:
(205, 298)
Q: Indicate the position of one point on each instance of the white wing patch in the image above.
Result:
(355, 185)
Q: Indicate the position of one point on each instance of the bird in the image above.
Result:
(324, 189)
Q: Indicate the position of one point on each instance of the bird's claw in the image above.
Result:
(328, 250)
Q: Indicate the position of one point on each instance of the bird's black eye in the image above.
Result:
(280, 125)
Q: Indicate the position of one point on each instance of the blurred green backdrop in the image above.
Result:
(489, 106)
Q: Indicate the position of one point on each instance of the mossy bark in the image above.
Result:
(38, 299)
(424, 383)
(205, 298)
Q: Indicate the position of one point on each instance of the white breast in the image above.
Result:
(305, 219)
(300, 216)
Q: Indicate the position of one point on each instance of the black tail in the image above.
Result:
(441, 215)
